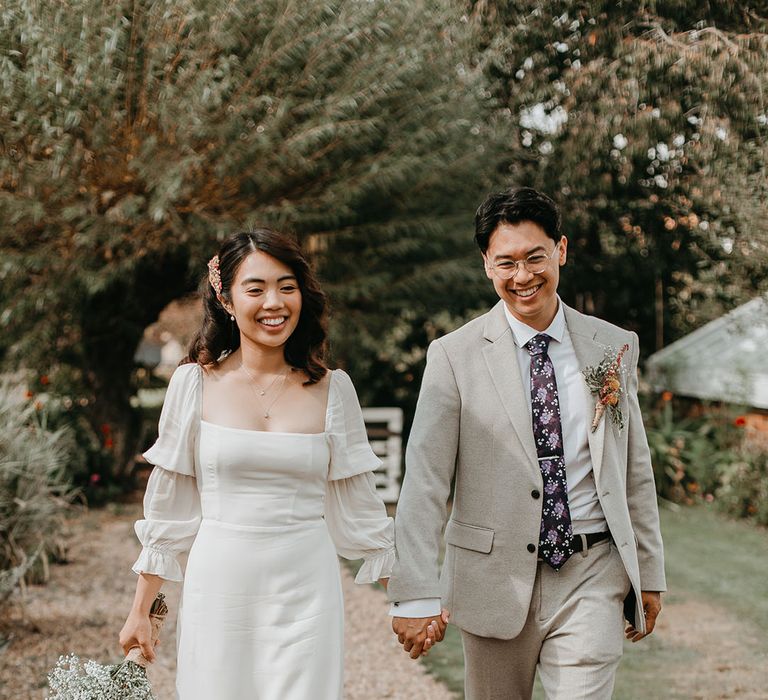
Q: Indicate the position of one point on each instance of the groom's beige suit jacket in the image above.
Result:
(473, 424)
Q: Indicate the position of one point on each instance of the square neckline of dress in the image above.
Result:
(264, 432)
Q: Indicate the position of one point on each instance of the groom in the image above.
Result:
(554, 533)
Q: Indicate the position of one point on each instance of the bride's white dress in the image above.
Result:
(265, 514)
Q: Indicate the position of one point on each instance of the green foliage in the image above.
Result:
(646, 121)
(136, 134)
(34, 489)
(705, 456)
(743, 490)
(91, 455)
(689, 454)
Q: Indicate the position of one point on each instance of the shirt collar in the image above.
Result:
(523, 333)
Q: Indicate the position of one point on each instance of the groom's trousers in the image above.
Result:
(574, 634)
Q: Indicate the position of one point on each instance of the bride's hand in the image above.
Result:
(137, 632)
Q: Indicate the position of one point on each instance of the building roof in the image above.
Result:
(724, 360)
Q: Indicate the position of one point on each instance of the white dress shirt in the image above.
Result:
(586, 512)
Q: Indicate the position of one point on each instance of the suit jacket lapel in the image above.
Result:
(501, 357)
(588, 352)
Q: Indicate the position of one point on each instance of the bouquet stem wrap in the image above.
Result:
(157, 616)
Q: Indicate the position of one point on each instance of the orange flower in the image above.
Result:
(44, 380)
(666, 396)
(29, 394)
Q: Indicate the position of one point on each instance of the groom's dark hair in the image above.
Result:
(513, 206)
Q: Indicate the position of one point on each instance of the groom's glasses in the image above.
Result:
(535, 264)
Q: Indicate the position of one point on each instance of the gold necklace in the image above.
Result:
(262, 392)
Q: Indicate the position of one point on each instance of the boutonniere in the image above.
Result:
(604, 381)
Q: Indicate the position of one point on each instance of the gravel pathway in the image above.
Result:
(84, 605)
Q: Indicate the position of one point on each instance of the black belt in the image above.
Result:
(591, 538)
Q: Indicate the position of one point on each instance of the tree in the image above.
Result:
(137, 133)
(648, 123)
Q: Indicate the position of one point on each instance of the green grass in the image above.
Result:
(709, 558)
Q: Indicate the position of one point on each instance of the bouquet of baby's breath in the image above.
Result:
(72, 679)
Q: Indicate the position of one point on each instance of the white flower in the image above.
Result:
(662, 152)
(660, 181)
(678, 140)
(538, 119)
(527, 139)
(620, 141)
(721, 133)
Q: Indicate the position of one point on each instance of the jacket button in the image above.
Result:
(531, 548)
(535, 493)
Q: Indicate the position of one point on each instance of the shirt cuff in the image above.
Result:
(421, 607)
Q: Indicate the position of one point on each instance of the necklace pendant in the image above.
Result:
(266, 415)
(261, 393)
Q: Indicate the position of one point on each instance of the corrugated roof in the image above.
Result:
(724, 360)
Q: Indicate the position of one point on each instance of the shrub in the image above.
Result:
(743, 491)
(702, 454)
(689, 454)
(35, 492)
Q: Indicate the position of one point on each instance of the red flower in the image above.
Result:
(108, 443)
(29, 394)
(44, 380)
(105, 429)
(95, 479)
(740, 422)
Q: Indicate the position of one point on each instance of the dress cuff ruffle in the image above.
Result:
(160, 563)
(376, 567)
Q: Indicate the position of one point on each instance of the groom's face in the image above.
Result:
(530, 296)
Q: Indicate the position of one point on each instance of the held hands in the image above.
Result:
(419, 634)
(137, 632)
(651, 609)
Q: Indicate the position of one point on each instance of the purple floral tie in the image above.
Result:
(556, 533)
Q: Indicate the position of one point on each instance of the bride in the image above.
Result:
(263, 472)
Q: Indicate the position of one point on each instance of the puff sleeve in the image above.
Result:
(172, 501)
(350, 452)
(354, 512)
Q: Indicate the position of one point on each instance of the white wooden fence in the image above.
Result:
(385, 433)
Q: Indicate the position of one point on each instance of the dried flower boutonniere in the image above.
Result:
(604, 380)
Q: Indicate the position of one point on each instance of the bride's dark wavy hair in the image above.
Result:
(218, 335)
